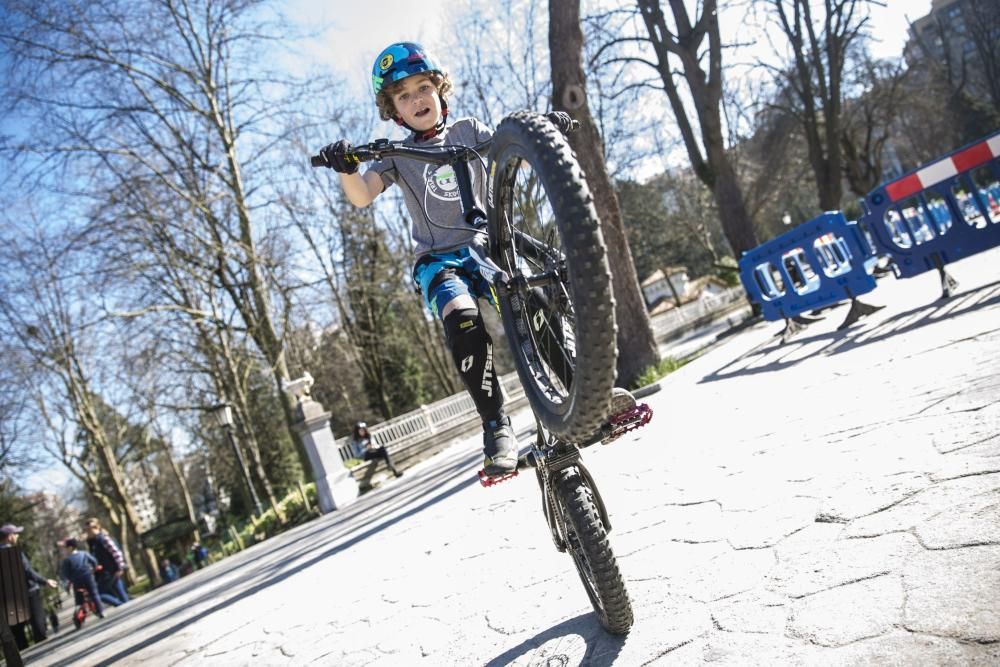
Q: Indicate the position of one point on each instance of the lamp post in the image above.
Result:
(223, 414)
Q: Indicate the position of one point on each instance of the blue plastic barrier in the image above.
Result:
(817, 264)
(941, 212)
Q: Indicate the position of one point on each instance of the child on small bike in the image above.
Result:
(77, 571)
(412, 88)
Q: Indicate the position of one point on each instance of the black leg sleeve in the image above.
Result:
(472, 350)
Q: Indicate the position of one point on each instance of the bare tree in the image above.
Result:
(819, 51)
(43, 312)
(700, 78)
(869, 122)
(170, 96)
(636, 343)
(14, 411)
(982, 25)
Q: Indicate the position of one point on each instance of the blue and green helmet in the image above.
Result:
(400, 60)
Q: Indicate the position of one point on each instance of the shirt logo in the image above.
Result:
(441, 182)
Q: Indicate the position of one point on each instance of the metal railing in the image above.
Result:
(459, 409)
(677, 318)
(428, 420)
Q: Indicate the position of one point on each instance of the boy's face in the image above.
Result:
(417, 102)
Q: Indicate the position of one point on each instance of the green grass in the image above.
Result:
(141, 586)
(258, 529)
(655, 372)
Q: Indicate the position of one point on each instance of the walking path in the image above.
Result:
(834, 500)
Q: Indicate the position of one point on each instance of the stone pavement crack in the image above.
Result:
(663, 654)
(989, 471)
(841, 584)
(971, 444)
(498, 630)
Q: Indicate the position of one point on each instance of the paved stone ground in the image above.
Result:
(835, 500)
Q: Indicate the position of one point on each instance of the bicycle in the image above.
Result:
(547, 266)
(84, 607)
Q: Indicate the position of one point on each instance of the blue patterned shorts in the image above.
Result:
(444, 276)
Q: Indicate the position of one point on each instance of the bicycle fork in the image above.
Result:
(548, 462)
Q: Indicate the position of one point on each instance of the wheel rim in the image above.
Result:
(544, 322)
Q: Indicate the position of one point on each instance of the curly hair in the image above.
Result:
(386, 107)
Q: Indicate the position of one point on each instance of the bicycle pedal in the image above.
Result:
(493, 480)
(629, 420)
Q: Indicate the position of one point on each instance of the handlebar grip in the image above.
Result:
(317, 161)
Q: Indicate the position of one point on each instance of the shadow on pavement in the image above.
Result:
(273, 563)
(841, 341)
(388, 501)
(585, 626)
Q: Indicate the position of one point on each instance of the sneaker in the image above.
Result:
(622, 400)
(499, 446)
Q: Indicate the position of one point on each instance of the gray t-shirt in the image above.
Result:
(431, 192)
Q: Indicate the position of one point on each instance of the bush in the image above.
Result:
(654, 373)
(268, 525)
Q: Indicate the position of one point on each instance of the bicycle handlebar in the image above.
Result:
(383, 148)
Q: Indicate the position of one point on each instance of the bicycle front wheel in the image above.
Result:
(558, 311)
(587, 541)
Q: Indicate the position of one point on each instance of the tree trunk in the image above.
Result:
(175, 469)
(733, 214)
(637, 349)
(713, 167)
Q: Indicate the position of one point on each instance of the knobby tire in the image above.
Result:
(587, 541)
(567, 370)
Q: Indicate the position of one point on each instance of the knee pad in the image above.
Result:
(472, 350)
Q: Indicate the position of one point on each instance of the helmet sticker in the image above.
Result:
(400, 60)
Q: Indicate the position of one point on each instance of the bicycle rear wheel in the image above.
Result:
(587, 541)
(558, 313)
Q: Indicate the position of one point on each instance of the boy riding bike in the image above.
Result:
(412, 89)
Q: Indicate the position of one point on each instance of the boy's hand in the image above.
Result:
(338, 157)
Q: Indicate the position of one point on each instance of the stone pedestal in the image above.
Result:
(335, 488)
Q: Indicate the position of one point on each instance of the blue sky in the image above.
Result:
(350, 33)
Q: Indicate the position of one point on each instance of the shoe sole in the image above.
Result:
(621, 400)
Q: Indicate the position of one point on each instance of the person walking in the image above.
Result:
(9, 534)
(111, 559)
